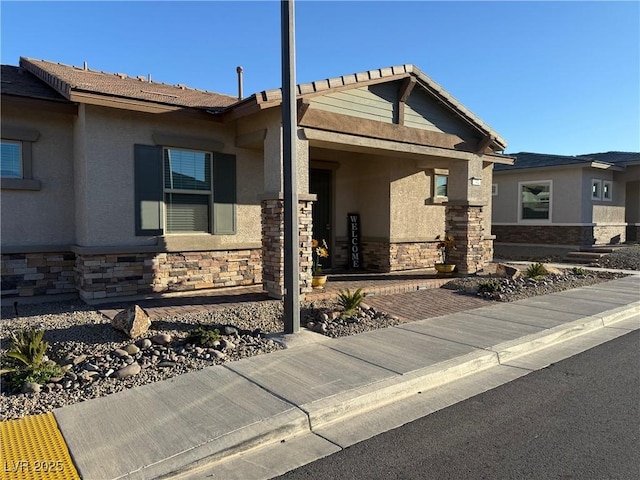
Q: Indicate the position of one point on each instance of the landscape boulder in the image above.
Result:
(507, 271)
(133, 321)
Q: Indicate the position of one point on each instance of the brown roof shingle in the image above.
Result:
(66, 78)
(18, 82)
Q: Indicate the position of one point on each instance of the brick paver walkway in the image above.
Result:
(409, 296)
(434, 302)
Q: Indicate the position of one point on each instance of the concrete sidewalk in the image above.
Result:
(323, 394)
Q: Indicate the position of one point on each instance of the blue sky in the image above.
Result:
(550, 77)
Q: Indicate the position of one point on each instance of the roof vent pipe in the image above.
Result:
(149, 78)
(86, 67)
(239, 70)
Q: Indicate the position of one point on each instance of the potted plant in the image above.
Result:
(319, 250)
(446, 245)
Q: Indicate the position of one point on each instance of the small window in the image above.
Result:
(494, 189)
(11, 159)
(596, 189)
(607, 193)
(187, 187)
(16, 151)
(535, 200)
(441, 184)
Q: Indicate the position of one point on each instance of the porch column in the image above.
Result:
(465, 212)
(272, 202)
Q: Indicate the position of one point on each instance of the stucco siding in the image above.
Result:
(633, 202)
(109, 155)
(45, 216)
(371, 177)
(413, 219)
(567, 198)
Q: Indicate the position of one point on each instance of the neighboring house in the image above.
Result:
(567, 201)
(117, 186)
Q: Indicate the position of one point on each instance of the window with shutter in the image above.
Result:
(184, 191)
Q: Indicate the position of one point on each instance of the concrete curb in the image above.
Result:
(334, 409)
(376, 395)
(355, 402)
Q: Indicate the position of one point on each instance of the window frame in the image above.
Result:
(17, 143)
(438, 173)
(609, 196)
(26, 137)
(178, 191)
(597, 183)
(549, 218)
(437, 176)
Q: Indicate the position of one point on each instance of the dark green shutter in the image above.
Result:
(224, 194)
(148, 189)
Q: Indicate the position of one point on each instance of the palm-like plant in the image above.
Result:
(350, 301)
(28, 347)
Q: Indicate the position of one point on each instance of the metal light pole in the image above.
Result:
(289, 134)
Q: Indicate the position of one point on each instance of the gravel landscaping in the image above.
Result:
(98, 360)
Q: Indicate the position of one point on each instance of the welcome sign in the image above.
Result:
(353, 226)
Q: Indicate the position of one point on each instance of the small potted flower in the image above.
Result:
(319, 250)
(445, 246)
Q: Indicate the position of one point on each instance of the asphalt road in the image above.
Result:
(577, 419)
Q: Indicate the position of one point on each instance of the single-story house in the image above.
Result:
(566, 201)
(114, 186)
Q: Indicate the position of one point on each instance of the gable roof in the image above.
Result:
(75, 83)
(541, 160)
(268, 98)
(66, 80)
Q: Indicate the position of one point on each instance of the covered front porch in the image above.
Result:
(405, 198)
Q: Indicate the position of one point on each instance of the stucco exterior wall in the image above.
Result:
(109, 218)
(567, 198)
(361, 186)
(487, 182)
(413, 216)
(45, 216)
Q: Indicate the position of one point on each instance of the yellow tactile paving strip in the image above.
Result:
(32, 448)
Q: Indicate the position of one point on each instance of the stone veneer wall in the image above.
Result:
(465, 223)
(273, 246)
(29, 274)
(559, 234)
(114, 275)
(488, 251)
(413, 255)
(376, 255)
(384, 256)
(610, 234)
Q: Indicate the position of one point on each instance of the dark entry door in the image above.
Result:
(320, 185)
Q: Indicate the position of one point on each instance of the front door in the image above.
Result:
(320, 185)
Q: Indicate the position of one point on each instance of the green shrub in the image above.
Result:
(489, 286)
(578, 271)
(203, 337)
(27, 359)
(536, 270)
(40, 374)
(350, 301)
